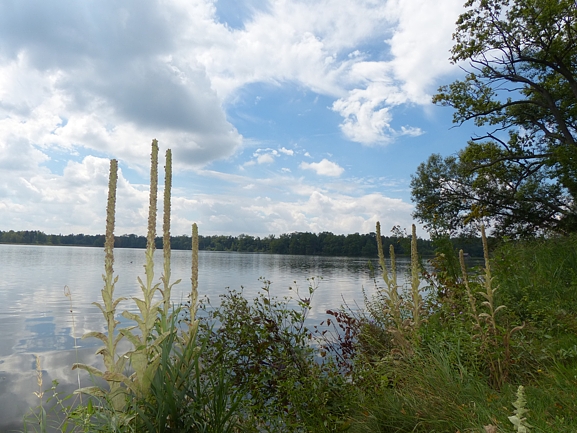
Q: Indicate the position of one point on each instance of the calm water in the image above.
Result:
(36, 318)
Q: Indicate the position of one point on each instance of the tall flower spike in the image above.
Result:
(110, 219)
(194, 278)
(153, 195)
(415, 281)
(166, 232)
(384, 270)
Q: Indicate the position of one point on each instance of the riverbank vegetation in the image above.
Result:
(455, 349)
(492, 349)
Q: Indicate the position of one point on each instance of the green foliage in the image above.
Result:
(185, 394)
(264, 346)
(444, 356)
(521, 85)
(471, 350)
(538, 281)
(518, 420)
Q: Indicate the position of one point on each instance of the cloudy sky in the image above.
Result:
(282, 115)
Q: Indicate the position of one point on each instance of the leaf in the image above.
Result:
(500, 307)
(101, 307)
(91, 390)
(111, 376)
(92, 370)
(134, 339)
(117, 301)
(96, 334)
(131, 316)
(141, 306)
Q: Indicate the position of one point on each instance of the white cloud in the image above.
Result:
(324, 168)
(337, 213)
(266, 158)
(262, 156)
(315, 211)
(420, 44)
(104, 78)
(291, 41)
(117, 85)
(91, 76)
(73, 202)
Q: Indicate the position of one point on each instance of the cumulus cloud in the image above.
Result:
(104, 78)
(110, 76)
(323, 168)
(111, 72)
(337, 213)
(315, 211)
(263, 156)
(73, 202)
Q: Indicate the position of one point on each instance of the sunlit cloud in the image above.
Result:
(323, 168)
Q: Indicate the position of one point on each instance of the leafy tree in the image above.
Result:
(520, 59)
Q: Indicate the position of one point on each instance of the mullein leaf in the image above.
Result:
(90, 369)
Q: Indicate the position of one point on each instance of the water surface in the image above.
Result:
(37, 319)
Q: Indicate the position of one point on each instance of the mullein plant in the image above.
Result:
(470, 297)
(114, 365)
(417, 299)
(144, 359)
(495, 341)
(155, 321)
(406, 316)
(166, 251)
(519, 420)
(489, 292)
(393, 300)
(192, 305)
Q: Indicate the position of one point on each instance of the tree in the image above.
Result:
(520, 60)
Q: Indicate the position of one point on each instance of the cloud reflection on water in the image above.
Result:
(36, 317)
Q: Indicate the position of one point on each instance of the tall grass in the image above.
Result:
(471, 351)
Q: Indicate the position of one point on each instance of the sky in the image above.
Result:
(282, 115)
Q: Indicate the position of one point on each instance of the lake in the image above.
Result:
(37, 319)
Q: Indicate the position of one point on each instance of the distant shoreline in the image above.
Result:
(297, 243)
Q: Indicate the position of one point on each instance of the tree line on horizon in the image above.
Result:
(297, 243)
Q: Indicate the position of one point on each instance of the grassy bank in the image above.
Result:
(492, 349)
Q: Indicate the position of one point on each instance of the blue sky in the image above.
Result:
(282, 115)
